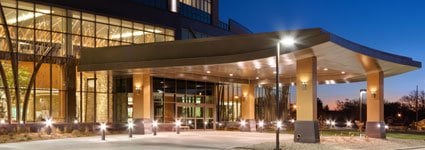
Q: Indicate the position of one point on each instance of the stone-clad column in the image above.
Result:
(375, 125)
(306, 126)
(142, 100)
(248, 107)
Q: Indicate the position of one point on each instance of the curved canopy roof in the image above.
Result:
(248, 57)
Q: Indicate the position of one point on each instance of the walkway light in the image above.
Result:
(178, 124)
(378, 125)
(333, 123)
(387, 127)
(349, 124)
(49, 123)
(103, 127)
(328, 122)
(2, 121)
(292, 120)
(261, 125)
(155, 126)
(130, 129)
(75, 121)
(190, 122)
(399, 115)
(278, 124)
(205, 125)
(243, 123)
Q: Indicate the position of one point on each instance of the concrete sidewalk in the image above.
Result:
(164, 140)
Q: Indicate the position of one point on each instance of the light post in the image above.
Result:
(155, 126)
(103, 130)
(362, 93)
(130, 129)
(49, 123)
(287, 41)
(178, 124)
(362, 96)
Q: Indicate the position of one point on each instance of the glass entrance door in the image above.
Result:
(196, 116)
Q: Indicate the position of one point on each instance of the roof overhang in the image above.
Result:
(247, 57)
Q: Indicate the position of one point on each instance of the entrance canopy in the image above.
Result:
(248, 58)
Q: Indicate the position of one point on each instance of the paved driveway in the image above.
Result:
(164, 140)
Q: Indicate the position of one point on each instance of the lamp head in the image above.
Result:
(103, 126)
(288, 41)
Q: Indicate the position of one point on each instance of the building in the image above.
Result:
(52, 33)
(174, 60)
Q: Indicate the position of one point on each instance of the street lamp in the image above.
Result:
(130, 129)
(155, 126)
(362, 93)
(178, 124)
(49, 123)
(103, 127)
(287, 42)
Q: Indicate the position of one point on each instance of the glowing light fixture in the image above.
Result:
(288, 41)
(243, 123)
(261, 124)
(349, 124)
(155, 126)
(130, 126)
(178, 124)
(103, 127)
(279, 124)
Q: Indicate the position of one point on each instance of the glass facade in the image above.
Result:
(58, 34)
(199, 10)
(204, 5)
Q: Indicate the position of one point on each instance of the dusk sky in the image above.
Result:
(394, 26)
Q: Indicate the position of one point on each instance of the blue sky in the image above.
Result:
(395, 26)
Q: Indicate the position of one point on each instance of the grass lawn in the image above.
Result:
(399, 135)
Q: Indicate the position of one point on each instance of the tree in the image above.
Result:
(409, 100)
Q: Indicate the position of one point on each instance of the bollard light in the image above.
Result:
(333, 123)
(328, 122)
(349, 124)
(190, 121)
(2, 121)
(178, 124)
(130, 129)
(261, 125)
(75, 121)
(103, 127)
(387, 127)
(292, 120)
(243, 123)
(279, 124)
(49, 123)
(205, 125)
(155, 126)
(378, 125)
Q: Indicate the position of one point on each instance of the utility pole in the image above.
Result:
(417, 104)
